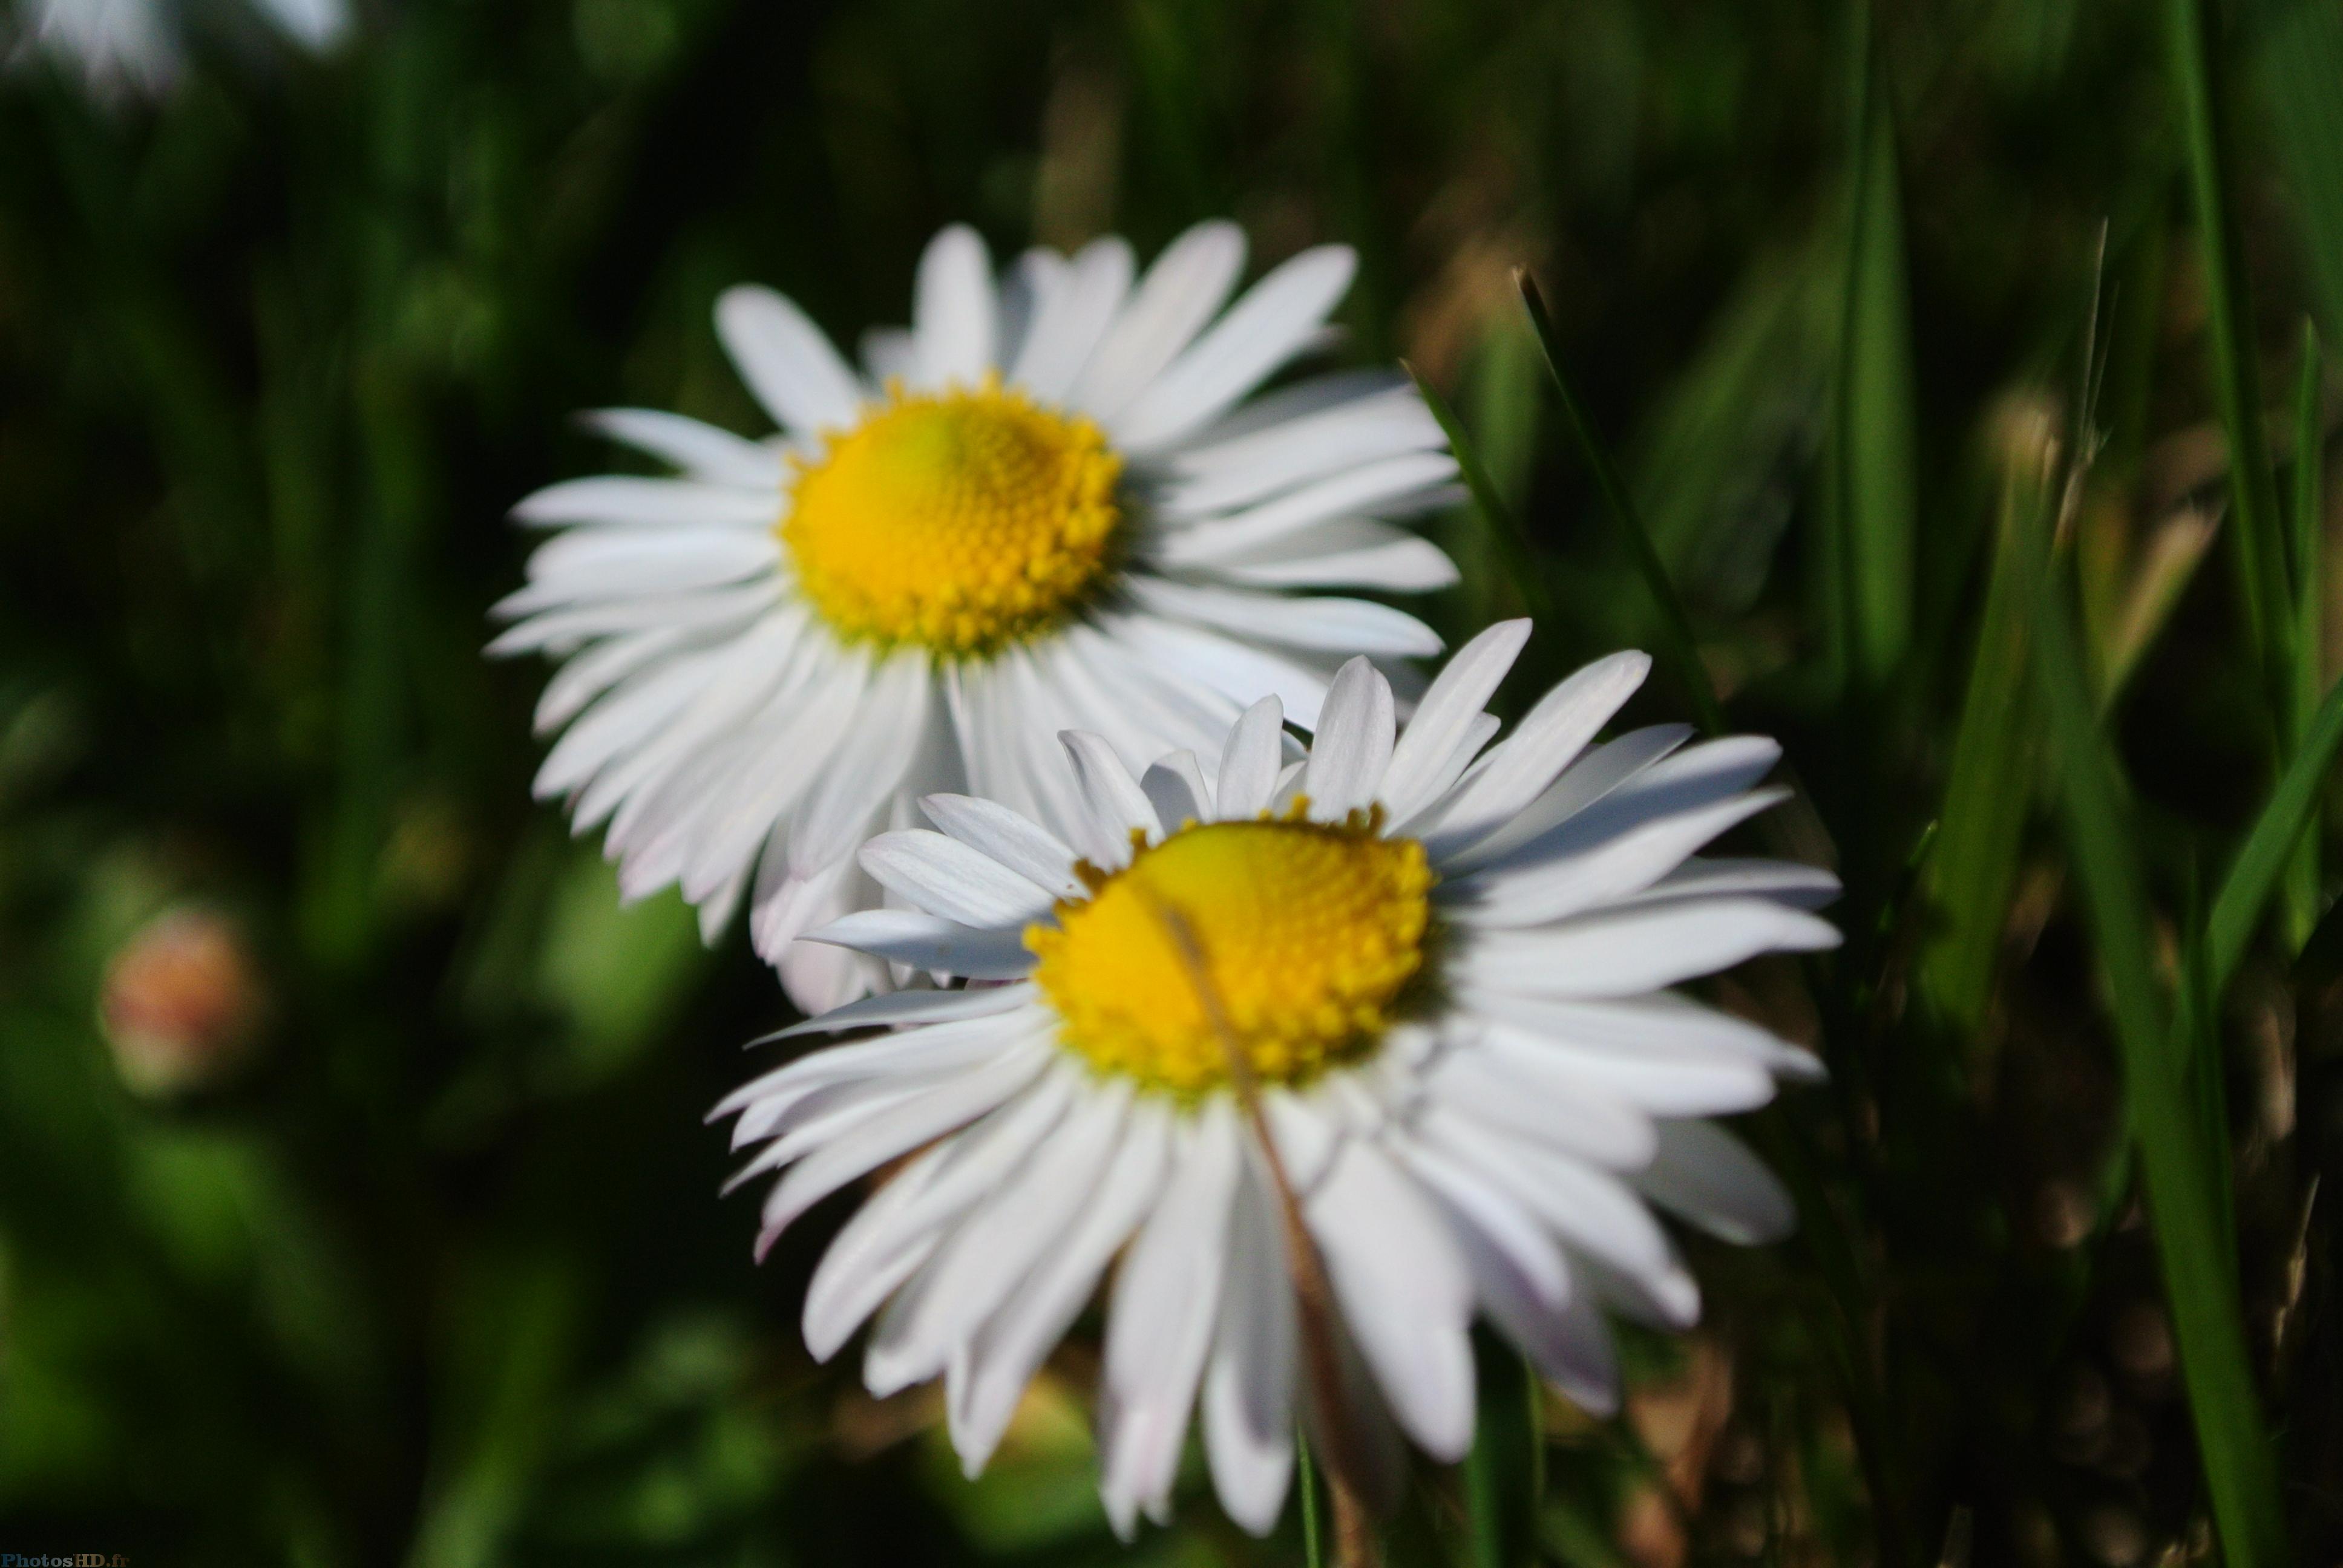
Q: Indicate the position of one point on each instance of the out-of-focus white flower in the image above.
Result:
(137, 45)
(1445, 963)
(1052, 503)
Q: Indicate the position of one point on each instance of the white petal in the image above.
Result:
(1597, 773)
(947, 1045)
(756, 666)
(1620, 793)
(997, 1245)
(618, 500)
(1658, 1083)
(1016, 841)
(1251, 761)
(1166, 1300)
(904, 1007)
(595, 671)
(901, 1130)
(870, 1256)
(1353, 743)
(704, 451)
(876, 1253)
(930, 942)
(1570, 870)
(634, 564)
(945, 877)
(952, 310)
(1568, 1343)
(709, 614)
(1143, 710)
(1522, 765)
(1222, 663)
(1175, 787)
(787, 361)
(712, 826)
(1177, 296)
(1405, 1293)
(1559, 1110)
(1117, 807)
(1473, 1203)
(1248, 468)
(1372, 488)
(1661, 1026)
(1402, 565)
(869, 766)
(1073, 318)
(1005, 1353)
(890, 354)
(1025, 290)
(1708, 1176)
(1444, 716)
(628, 716)
(1805, 887)
(1276, 317)
(1333, 624)
(1590, 1210)
(1248, 1401)
(1622, 952)
(816, 977)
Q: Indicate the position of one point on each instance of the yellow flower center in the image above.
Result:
(960, 521)
(1307, 933)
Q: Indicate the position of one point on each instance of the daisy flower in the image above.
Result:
(1446, 964)
(1048, 504)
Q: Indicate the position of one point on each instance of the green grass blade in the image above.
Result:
(1988, 793)
(1873, 434)
(2302, 59)
(2254, 524)
(2309, 627)
(2239, 1468)
(1676, 641)
(2245, 892)
(1501, 1472)
(1505, 528)
(1306, 1486)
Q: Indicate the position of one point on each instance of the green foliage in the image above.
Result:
(405, 1250)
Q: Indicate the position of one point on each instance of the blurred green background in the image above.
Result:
(355, 1205)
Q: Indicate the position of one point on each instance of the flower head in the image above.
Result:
(1049, 505)
(1444, 966)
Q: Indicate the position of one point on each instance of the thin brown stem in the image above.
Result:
(1355, 1540)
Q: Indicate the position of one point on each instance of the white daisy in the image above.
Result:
(1046, 506)
(1447, 968)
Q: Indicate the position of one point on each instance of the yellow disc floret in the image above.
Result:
(958, 521)
(1307, 934)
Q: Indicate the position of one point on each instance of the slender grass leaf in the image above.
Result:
(1676, 641)
(1306, 1486)
(2254, 525)
(1501, 1472)
(2175, 1161)
(1988, 793)
(2300, 61)
(1505, 528)
(2254, 876)
(2309, 627)
(1713, 465)
(1874, 440)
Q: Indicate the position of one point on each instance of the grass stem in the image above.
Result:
(1677, 640)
